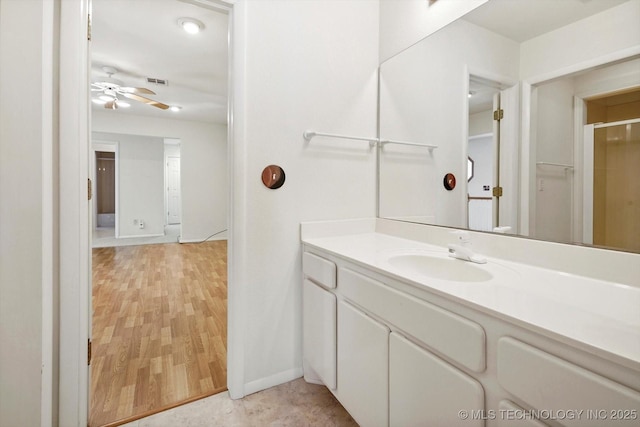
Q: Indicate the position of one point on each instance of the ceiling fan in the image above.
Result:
(111, 89)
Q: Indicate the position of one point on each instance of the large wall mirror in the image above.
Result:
(543, 96)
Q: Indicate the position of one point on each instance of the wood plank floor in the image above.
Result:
(159, 327)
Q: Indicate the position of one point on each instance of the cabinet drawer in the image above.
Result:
(319, 270)
(549, 383)
(511, 415)
(460, 339)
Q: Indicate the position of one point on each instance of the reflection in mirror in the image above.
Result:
(480, 204)
(586, 185)
(539, 70)
(616, 192)
(486, 136)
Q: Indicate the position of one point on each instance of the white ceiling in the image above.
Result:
(522, 20)
(141, 38)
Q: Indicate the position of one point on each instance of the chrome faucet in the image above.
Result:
(462, 250)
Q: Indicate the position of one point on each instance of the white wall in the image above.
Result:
(425, 100)
(299, 65)
(141, 183)
(403, 23)
(618, 76)
(28, 283)
(553, 121)
(481, 123)
(581, 44)
(203, 167)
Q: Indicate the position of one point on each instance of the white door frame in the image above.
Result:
(510, 158)
(75, 267)
(587, 184)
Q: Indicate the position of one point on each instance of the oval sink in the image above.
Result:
(440, 267)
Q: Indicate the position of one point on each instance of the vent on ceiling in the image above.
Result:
(162, 82)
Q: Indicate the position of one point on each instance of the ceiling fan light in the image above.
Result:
(175, 108)
(191, 25)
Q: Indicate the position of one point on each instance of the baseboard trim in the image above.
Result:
(272, 381)
(141, 236)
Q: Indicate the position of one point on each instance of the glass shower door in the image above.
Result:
(612, 185)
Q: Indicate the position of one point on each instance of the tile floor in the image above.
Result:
(293, 404)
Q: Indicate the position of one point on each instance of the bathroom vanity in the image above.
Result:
(404, 335)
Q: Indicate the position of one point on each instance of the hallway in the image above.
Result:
(159, 327)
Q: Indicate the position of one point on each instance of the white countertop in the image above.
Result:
(599, 316)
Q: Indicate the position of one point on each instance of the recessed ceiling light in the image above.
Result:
(175, 108)
(191, 25)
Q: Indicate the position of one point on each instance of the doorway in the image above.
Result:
(104, 172)
(491, 147)
(159, 311)
(105, 189)
(74, 217)
(173, 190)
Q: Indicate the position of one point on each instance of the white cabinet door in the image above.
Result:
(424, 390)
(363, 361)
(319, 332)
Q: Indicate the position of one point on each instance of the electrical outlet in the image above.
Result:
(141, 224)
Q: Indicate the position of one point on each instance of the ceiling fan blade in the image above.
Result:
(137, 90)
(146, 100)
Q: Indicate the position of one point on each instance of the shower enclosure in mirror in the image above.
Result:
(511, 87)
(611, 205)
